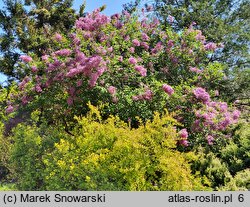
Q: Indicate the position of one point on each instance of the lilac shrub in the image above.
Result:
(132, 66)
(213, 117)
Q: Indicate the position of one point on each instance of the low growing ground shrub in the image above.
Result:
(109, 155)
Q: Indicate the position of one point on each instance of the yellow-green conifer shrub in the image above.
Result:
(109, 155)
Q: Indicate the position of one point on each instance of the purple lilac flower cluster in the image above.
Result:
(201, 95)
(210, 46)
(26, 58)
(168, 89)
(147, 95)
(93, 21)
(184, 135)
(213, 116)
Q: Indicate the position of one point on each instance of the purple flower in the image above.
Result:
(157, 48)
(145, 45)
(168, 89)
(120, 58)
(127, 14)
(212, 104)
(115, 99)
(200, 37)
(135, 98)
(110, 49)
(236, 114)
(80, 57)
(183, 133)
(194, 69)
(93, 62)
(136, 42)
(25, 100)
(70, 101)
(92, 21)
(101, 50)
(132, 60)
(170, 43)
(196, 126)
(79, 83)
(38, 88)
(147, 95)
(202, 95)
(73, 72)
(210, 46)
(45, 57)
(216, 93)
(71, 91)
(149, 8)
(9, 109)
(210, 139)
(58, 37)
(183, 142)
(63, 52)
(127, 38)
(101, 70)
(223, 106)
(144, 37)
(75, 39)
(116, 16)
(141, 70)
(236, 101)
(190, 52)
(132, 50)
(193, 23)
(23, 83)
(93, 79)
(25, 58)
(34, 69)
(155, 23)
(112, 90)
(226, 121)
(170, 19)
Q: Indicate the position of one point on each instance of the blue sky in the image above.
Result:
(113, 6)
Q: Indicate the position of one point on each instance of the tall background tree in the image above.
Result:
(27, 26)
(221, 21)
